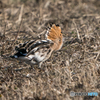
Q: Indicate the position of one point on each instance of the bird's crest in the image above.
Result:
(54, 32)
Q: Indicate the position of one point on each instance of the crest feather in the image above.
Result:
(54, 32)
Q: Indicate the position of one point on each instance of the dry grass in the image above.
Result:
(76, 67)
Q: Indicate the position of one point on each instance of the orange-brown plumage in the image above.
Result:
(55, 35)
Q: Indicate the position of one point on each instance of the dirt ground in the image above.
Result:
(76, 67)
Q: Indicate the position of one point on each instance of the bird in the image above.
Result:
(35, 52)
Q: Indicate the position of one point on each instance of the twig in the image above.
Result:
(4, 22)
(78, 35)
(17, 33)
(19, 20)
(33, 33)
(20, 15)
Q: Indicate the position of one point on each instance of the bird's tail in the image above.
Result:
(20, 53)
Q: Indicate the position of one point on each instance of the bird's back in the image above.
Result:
(34, 51)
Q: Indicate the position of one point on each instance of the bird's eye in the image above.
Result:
(59, 40)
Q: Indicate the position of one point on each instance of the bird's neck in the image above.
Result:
(55, 47)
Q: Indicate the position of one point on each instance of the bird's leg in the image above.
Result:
(32, 67)
(39, 65)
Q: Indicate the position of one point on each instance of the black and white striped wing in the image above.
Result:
(34, 51)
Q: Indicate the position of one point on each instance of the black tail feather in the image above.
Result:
(20, 53)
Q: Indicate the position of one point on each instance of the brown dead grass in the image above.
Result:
(76, 67)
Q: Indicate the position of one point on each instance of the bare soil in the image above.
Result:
(76, 67)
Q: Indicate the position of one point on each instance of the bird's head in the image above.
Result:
(54, 34)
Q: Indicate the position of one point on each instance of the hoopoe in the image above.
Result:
(36, 52)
